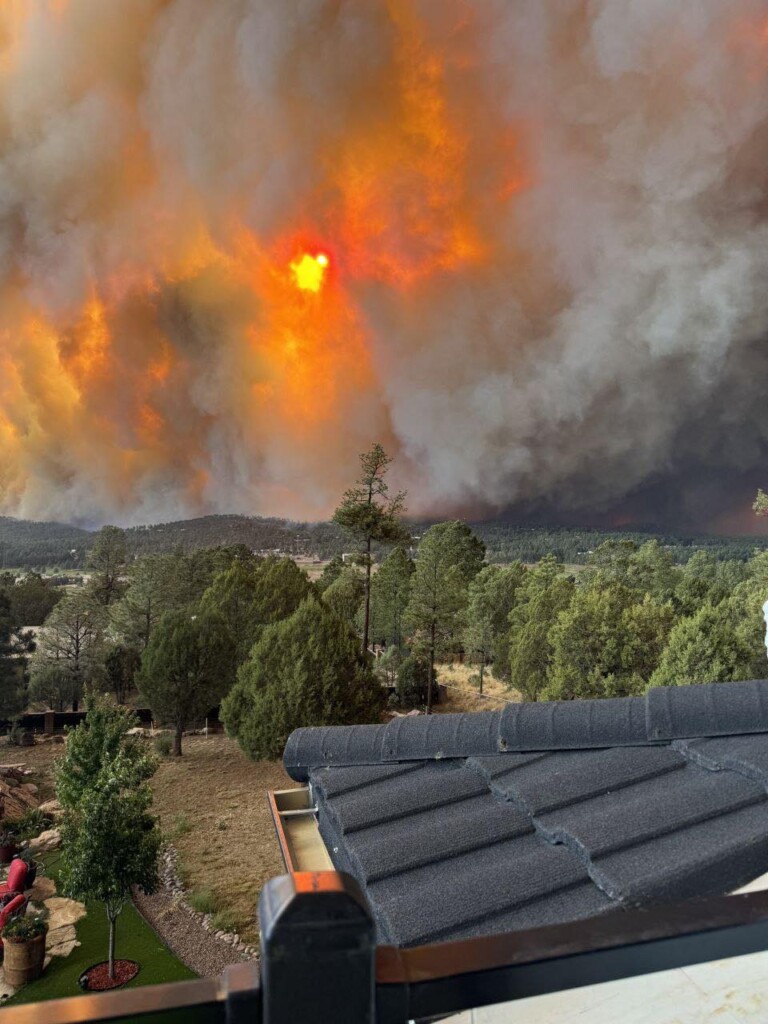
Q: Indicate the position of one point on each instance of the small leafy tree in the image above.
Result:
(188, 666)
(330, 573)
(98, 740)
(369, 515)
(110, 843)
(306, 670)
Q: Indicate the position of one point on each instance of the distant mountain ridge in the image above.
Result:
(37, 545)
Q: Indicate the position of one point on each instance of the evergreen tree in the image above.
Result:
(12, 693)
(121, 664)
(72, 643)
(345, 595)
(107, 563)
(390, 594)
(544, 593)
(449, 557)
(330, 573)
(33, 600)
(706, 647)
(491, 597)
(233, 595)
(307, 670)
(152, 590)
(188, 666)
(606, 644)
(369, 515)
(413, 679)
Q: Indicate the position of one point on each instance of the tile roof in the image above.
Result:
(464, 825)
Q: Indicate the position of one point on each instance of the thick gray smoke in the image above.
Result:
(545, 227)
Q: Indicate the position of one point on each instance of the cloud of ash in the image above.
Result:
(546, 233)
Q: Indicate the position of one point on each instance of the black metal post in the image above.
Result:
(318, 949)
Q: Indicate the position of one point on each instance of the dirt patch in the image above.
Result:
(212, 803)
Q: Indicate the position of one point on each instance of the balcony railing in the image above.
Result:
(320, 962)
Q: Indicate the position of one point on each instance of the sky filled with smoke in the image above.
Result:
(543, 231)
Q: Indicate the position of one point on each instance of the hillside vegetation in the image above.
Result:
(35, 545)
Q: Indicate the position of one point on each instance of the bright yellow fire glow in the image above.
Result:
(309, 271)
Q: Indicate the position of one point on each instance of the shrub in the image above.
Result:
(25, 927)
(181, 826)
(203, 901)
(224, 921)
(413, 683)
(164, 744)
(32, 823)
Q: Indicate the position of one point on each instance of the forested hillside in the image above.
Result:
(25, 544)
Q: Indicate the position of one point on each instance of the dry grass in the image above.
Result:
(463, 691)
(228, 845)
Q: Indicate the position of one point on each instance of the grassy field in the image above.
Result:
(135, 941)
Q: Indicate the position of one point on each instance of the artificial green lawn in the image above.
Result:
(135, 940)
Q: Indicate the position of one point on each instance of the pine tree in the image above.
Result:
(369, 515)
(491, 597)
(307, 670)
(107, 562)
(390, 594)
(449, 557)
(545, 592)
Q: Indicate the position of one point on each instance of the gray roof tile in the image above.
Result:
(628, 801)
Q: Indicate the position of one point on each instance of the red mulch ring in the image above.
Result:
(97, 979)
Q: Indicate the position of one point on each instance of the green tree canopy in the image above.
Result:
(32, 600)
(449, 557)
(110, 845)
(544, 593)
(98, 741)
(71, 641)
(187, 667)
(12, 691)
(368, 515)
(330, 573)
(390, 594)
(706, 647)
(306, 670)
(491, 597)
(606, 643)
(345, 595)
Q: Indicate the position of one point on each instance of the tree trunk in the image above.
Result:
(177, 741)
(431, 681)
(482, 669)
(367, 620)
(112, 921)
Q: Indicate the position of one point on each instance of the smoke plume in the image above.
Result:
(524, 245)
